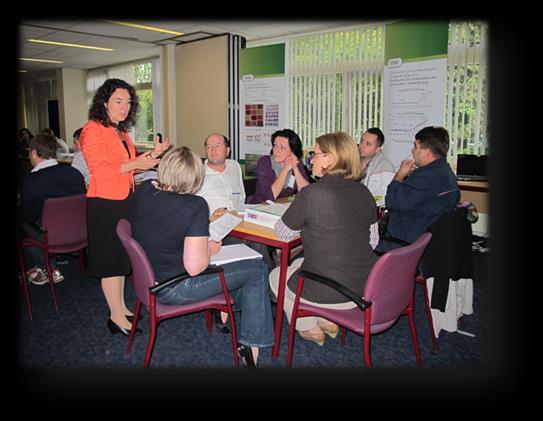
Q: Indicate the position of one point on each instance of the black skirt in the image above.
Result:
(106, 254)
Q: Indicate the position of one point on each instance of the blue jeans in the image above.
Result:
(247, 281)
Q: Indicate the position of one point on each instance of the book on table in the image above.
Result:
(265, 215)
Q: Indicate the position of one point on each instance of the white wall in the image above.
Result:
(201, 79)
(72, 102)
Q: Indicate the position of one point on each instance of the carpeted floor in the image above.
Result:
(77, 337)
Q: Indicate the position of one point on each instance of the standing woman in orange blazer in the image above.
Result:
(111, 158)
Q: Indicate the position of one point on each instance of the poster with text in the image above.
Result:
(263, 101)
(415, 78)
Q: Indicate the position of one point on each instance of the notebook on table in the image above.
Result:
(471, 167)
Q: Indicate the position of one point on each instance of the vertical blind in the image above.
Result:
(467, 83)
(335, 82)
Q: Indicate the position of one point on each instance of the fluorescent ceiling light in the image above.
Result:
(147, 28)
(65, 44)
(39, 60)
(22, 71)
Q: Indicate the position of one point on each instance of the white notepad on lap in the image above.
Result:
(234, 253)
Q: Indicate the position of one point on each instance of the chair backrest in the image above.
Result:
(143, 275)
(391, 281)
(65, 219)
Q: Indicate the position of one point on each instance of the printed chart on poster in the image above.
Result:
(414, 83)
(414, 98)
(263, 101)
(262, 106)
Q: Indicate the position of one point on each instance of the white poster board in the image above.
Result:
(263, 111)
(414, 97)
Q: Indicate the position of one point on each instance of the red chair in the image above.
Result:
(63, 230)
(388, 294)
(143, 281)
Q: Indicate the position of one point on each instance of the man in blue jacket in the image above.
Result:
(423, 188)
(47, 179)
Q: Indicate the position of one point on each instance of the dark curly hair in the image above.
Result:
(98, 112)
(293, 141)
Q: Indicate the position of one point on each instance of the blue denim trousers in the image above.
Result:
(247, 281)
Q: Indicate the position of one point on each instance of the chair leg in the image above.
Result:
(413, 329)
(51, 282)
(24, 281)
(150, 345)
(82, 260)
(209, 321)
(291, 334)
(343, 337)
(422, 281)
(234, 334)
(367, 337)
(134, 325)
(26, 293)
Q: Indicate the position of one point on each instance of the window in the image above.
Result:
(143, 83)
(336, 83)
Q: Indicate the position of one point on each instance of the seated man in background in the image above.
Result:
(378, 171)
(62, 146)
(78, 161)
(223, 187)
(47, 179)
(423, 189)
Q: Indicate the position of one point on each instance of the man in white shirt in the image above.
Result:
(223, 182)
(378, 171)
(223, 188)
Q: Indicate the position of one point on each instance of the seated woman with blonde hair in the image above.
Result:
(172, 225)
(334, 217)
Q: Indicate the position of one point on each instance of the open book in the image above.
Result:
(221, 227)
(234, 253)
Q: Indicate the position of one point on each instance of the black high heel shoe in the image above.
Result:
(114, 328)
(246, 355)
(131, 318)
(222, 326)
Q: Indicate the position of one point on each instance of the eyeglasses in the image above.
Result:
(312, 154)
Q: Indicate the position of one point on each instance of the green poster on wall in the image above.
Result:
(263, 101)
(416, 40)
(414, 82)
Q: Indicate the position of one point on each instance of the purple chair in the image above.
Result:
(63, 229)
(143, 281)
(388, 294)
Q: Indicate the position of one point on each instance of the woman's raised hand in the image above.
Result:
(161, 147)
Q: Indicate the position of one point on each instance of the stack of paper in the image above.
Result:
(265, 215)
(234, 253)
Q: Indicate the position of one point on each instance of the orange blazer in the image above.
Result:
(105, 153)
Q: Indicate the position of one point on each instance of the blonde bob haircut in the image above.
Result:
(344, 150)
(181, 171)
